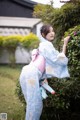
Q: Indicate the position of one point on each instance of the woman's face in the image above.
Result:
(50, 36)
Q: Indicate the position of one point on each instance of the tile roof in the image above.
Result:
(13, 31)
(17, 26)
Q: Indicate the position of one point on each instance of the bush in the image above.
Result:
(1, 41)
(1, 45)
(66, 102)
(10, 43)
(74, 52)
(74, 61)
(19, 92)
(30, 41)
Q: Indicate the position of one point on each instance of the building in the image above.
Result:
(16, 17)
(18, 25)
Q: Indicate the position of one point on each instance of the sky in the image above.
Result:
(56, 4)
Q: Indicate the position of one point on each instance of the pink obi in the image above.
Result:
(38, 60)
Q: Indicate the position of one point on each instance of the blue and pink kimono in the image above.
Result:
(55, 65)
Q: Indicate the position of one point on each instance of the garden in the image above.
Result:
(9, 101)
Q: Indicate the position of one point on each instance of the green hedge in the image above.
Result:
(65, 104)
(1, 41)
(74, 61)
(10, 43)
(30, 41)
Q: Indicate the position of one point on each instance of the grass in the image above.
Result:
(9, 101)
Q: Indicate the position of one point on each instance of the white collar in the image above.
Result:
(42, 39)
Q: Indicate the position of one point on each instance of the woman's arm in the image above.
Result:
(66, 39)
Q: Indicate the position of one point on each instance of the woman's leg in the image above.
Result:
(34, 98)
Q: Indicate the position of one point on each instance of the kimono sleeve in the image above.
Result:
(51, 54)
(56, 63)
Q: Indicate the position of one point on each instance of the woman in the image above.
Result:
(46, 63)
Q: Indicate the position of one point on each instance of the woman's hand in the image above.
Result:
(66, 39)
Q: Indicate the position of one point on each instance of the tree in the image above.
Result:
(44, 12)
(61, 19)
(69, 1)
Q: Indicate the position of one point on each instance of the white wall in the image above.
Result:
(22, 56)
(38, 29)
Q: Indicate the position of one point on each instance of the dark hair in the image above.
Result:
(45, 29)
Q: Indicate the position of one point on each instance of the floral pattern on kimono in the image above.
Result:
(56, 63)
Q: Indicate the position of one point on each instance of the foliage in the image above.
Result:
(60, 18)
(9, 102)
(66, 17)
(74, 59)
(1, 41)
(30, 41)
(75, 1)
(43, 11)
(67, 97)
(1, 44)
(10, 43)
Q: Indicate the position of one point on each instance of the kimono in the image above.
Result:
(56, 63)
(30, 77)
